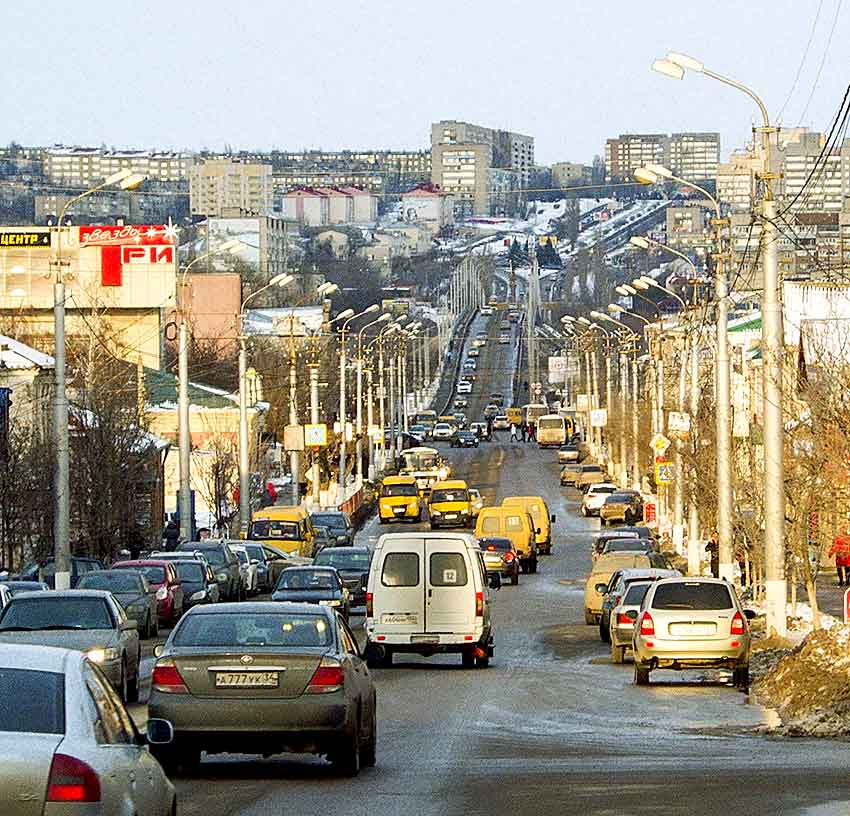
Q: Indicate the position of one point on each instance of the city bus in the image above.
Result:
(533, 411)
(426, 418)
(551, 431)
(425, 465)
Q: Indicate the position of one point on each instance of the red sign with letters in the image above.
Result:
(129, 244)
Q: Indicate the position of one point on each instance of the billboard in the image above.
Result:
(558, 368)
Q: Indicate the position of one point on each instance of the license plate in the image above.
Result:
(451, 516)
(398, 511)
(400, 618)
(495, 561)
(246, 679)
(424, 638)
(695, 629)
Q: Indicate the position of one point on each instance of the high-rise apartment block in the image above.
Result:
(693, 156)
(88, 166)
(483, 168)
(225, 188)
(569, 174)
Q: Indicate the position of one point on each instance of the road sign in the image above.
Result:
(678, 422)
(557, 369)
(582, 403)
(665, 473)
(316, 436)
(598, 417)
(537, 388)
(649, 512)
(659, 443)
(293, 438)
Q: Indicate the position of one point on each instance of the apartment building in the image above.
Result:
(687, 226)
(292, 178)
(569, 174)
(693, 156)
(826, 178)
(627, 152)
(111, 206)
(463, 170)
(736, 181)
(428, 204)
(221, 188)
(322, 206)
(87, 166)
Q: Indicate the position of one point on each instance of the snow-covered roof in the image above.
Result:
(14, 354)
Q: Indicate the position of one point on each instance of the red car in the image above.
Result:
(162, 576)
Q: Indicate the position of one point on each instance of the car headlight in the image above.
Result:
(102, 655)
(413, 506)
(161, 594)
(198, 596)
(330, 603)
(221, 576)
(442, 473)
(435, 512)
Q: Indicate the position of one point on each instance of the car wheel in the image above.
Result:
(533, 565)
(483, 662)
(589, 618)
(641, 675)
(741, 678)
(381, 519)
(147, 629)
(515, 578)
(123, 689)
(369, 749)
(378, 658)
(467, 659)
(168, 757)
(346, 762)
(618, 653)
(133, 688)
(156, 626)
(604, 634)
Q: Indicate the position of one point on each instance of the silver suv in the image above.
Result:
(687, 623)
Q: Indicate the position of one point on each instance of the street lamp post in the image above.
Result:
(359, 416)
(61, 481)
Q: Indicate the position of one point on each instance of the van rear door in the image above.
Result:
(450, 587)
(399, 594)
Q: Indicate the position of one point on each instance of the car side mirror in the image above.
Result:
(601, 588)
(553, 518)
(494, 580)
(254, 561)
(536, 531)
(158, 650)
(159, 732)
(632, 614)
(749, 614)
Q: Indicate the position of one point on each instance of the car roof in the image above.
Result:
(396, 480)
(313, 568)
(141, 562)
(64, 593)
(37, 658)
(618, 560)
(345, 550)
(636, 573)
(448, 484)
(257, 606)
(109, 571)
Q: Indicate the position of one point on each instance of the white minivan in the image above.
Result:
(429, 593)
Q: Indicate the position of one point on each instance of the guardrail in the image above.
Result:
(461, 336)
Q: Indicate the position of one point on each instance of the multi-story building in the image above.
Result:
(735, 184)
(687, 226)
(569, 174)
(629, 151)
(111, 206)
(87, 166)
(322, 206)
(457, 147)
(428, 204)
(814, 180)
(291, 178)
(264, 240)
(221, 188)
(694, 156)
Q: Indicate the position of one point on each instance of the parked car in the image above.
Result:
(501, 423)
(161, 574)
(225, 564)
(570, 475)
(595, 497)
(602, 570)
(258, 554)
(44, 571)
(446, 571)
(86, 620)
(618, 545)
(616, 589)
(248, 568)
(569, 453)
(352, 564)
(20, 587)
(590, 474)
(264, 678)
(500, 556)
(688, 623)
(464, 439)
(318, 585)
(621, 506)
(131, 589)
(69, 745)
(339, 525)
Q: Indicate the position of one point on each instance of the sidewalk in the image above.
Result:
(830, 595)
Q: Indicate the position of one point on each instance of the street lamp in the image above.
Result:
(279, 281)
(127, 180)
(369, 401)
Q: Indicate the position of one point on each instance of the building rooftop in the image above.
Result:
(14, 354)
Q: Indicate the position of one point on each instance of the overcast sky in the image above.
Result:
(374, 74)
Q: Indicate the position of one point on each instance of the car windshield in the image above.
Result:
(495, 544)
(335, 522)
(635, 594)
(454, 495)
(267, 528)
(625, 545)
(255, 551)
(307, 579)
(112, 581)
(191, 572)
(154, 574)
(692, 595)
(51, 612)
(617, 498)
(591, 469)
(244, 630)
(344, 559)
(596, 491)
(39, 701)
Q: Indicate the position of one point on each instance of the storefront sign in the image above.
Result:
(24, 239)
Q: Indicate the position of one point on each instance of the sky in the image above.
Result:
(361, 74)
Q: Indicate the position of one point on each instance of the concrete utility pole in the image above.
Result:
(636, 480)
(294, 456)
(184, 436)
(679, 487)
(370, 421)
(358, 421)
(694, 540)
(314, 420)
(391, 406)
(623, 370)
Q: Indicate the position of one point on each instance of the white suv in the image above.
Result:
(464, 387)
(595, 497)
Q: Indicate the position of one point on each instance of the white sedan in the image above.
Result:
(68, 744)
(595, 497)
(464, 387)
(248, 569)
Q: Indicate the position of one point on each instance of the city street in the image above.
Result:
(552, 725)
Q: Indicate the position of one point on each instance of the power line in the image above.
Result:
(802, 62)
(823, 60)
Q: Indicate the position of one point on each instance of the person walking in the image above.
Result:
(840, 551)
(514, 432)
(532, 432)
(171, 535)
(713, 550)
(523, 430)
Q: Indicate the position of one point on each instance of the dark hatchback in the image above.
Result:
(198, 581)
(352, 564)
(225, 565)
(46, 571)
(316, 585)
(465, 439)
(339, 526)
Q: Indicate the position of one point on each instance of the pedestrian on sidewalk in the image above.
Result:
(713, 550)
(840, 551)
(523, 430)
(514, 432)
(531, 432)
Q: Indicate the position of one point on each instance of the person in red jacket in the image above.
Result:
(840, 550)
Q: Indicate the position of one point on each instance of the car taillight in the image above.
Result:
(508, 556)
(369, 605)
(647, 625)
(491, 548)
(72, 780)
(479, 604)
(737, 627)
(167, 678)
(328, 677)
(623, 619)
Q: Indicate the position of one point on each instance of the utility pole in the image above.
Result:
(342, 416)
(359, 418)
(294, 456)
(184, 437)
(391, 407)
(636, 480)
(403, 384)
(314, 419)
(370, 421)
(382, 402)
(679, 487)
(623, 369)
(61, 481)
(694, 554)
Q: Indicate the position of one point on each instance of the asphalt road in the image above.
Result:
(552, 726)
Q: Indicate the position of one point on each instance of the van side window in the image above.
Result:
(400, 570)
(448, 569)
(490, 524)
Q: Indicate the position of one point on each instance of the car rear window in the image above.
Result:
(491, 524)
(400, 570)
(635, 594)
(39, 697)
(448, 569)
(253, 629)
(155, 575)
(192, 572)
(513, 523)
(51, 612)
(625, 545)
(344, 559)
(112, 581)
(307, 579)
(692, 595)
(496, 544)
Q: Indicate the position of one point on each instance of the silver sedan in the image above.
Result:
(68, 744)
